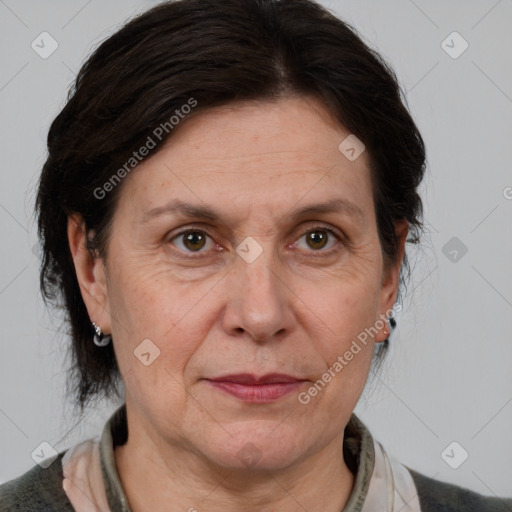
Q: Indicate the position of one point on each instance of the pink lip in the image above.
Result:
(251, 388)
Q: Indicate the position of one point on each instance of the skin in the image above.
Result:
(293, 310)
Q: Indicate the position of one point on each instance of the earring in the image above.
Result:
(392, 324)
(100, 339)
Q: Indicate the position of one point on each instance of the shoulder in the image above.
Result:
(436, 496)
(37, 489)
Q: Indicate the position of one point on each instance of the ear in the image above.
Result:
(90, 273)
(390, 279)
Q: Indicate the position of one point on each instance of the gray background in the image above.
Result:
(448, 376)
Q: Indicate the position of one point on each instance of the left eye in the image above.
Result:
(318, 238)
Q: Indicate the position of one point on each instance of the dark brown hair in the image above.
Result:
(216, 52)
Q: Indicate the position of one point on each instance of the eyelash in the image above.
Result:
(317, 253)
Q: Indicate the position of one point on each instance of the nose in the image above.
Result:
(258, 301)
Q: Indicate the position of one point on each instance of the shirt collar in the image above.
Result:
(358, 452)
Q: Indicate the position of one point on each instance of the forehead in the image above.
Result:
(272, 154)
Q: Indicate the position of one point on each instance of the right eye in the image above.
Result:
(192, 241)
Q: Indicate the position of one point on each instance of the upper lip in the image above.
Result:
(250, 379)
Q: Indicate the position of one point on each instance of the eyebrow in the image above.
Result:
(178, 207)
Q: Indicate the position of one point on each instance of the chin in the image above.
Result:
(254, 449)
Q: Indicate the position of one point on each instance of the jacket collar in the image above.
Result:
(358, 452)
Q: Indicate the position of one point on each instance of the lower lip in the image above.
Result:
(257, 393)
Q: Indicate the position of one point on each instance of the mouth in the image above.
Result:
(257, 389)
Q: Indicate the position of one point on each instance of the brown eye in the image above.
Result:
(194, 240)
(191, 241)
(316, 239)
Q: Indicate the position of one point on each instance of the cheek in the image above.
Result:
(342, 307)
(147, 303)
(154, 337)
(341, 311)
(342, 342)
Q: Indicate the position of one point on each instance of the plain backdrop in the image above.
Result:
(448, 375)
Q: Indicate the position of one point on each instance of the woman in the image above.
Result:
(224, 212)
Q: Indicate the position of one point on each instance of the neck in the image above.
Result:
(153, 479)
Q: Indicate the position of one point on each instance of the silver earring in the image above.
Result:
(100, 339)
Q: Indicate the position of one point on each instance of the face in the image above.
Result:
(247, 245)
